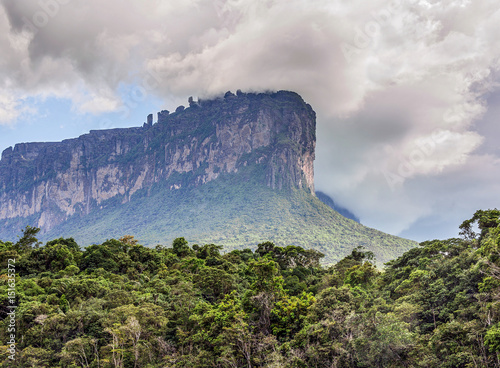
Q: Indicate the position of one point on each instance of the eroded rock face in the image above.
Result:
(53, 181)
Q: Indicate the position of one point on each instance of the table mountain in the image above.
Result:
(235, 171)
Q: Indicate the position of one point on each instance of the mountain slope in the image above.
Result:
(235, 213)
(51, 182)
(234, 171)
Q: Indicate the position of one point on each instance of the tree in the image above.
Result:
(28, 239)
(268, 287)
(64, 304)
(129, 240)
(81, 351)
(34, 357)
(264, 248)
(180, 247)
(208, 250)
(289, 313)
(214, 283)
(484, 220)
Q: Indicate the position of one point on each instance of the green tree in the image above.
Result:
(64, 304)
(214, 283)
(267, 289)
(484, 220)
(28, 239)
(289, 313)
(181, 248)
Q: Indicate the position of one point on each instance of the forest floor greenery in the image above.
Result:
(120, 304)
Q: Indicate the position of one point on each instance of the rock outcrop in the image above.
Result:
(50, 182)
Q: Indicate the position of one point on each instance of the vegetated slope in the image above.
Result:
(232, 212)
(44, 184)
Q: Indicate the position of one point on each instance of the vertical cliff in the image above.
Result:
(273, 134)
(233, 171)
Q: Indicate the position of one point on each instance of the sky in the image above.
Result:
(406, 93)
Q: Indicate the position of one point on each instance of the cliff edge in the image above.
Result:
(234, 171)
(50, 182)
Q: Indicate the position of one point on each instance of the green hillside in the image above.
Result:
(233, 211)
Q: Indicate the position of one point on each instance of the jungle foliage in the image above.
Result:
(120, 304)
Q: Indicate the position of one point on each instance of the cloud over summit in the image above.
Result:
(400, 88)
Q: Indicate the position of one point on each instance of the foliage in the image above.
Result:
(234, 211)
(120, 304)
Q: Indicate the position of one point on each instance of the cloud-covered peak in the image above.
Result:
(400, 88)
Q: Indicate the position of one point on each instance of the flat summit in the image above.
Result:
(235, 171)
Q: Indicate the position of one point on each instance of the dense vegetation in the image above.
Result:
(119, 304)
(237, 212)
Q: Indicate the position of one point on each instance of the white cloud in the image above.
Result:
(8, 108)
(384, 77)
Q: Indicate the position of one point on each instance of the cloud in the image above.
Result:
(400, 88)
(72, 49)
(8, 108)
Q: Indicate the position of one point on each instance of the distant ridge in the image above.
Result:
(326, 199)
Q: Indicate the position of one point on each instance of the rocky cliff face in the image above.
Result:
(272, 133)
